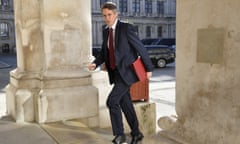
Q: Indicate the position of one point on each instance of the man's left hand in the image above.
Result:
(149, 75)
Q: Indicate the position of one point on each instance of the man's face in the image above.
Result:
(109, 16)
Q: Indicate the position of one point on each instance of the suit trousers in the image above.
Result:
(119, 101)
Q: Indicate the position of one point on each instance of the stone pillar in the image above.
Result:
(207, 72)
(51, 82)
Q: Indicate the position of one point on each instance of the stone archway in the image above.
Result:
(207, 71)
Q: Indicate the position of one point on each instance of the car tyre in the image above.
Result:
(161, 63)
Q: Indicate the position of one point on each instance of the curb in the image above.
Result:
(4, 65)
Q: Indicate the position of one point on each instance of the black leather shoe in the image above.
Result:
(120, 139)
(137, 139)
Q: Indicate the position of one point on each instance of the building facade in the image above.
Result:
(152, 18)
(7, 28)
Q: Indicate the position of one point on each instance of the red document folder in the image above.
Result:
(139, 69)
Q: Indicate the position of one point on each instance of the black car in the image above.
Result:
(159, 41)
(165, 41)
(161, 55)
(149, 41)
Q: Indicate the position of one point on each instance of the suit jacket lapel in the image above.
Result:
(117, 33)
(105, 37)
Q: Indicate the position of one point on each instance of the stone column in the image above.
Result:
(51, 81)
(142, 8)
(207, 72)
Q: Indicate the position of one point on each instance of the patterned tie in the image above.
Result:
(111, 50)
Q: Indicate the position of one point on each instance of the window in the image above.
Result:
(136, 6)
(4, 2)
(148, 6)
(123, 5)
(160, 7)
(5, 48)
(4, 30)
(159, 31)
(148, 31)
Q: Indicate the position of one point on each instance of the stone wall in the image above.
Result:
(208, 72)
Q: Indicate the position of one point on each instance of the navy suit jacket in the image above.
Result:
(127, 48)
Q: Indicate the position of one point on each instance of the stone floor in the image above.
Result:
(67, 132)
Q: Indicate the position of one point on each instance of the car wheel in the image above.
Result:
(161, 63)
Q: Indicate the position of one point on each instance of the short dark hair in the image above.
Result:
(109, 5)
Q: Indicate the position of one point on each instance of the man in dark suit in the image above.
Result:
(120, 48)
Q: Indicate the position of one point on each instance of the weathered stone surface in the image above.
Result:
(167, 122)
(51, 82)
(207, 90)
(100, 80)
(146, 113)
(67, 103)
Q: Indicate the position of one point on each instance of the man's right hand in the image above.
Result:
(92, 66)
